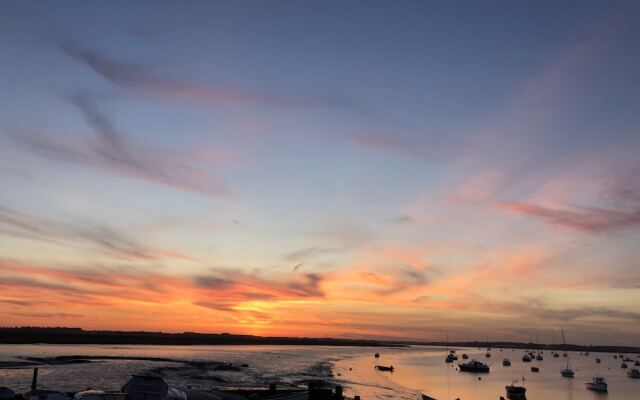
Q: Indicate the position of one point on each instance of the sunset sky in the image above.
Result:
(349, 169)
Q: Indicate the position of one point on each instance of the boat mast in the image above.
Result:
(564, 344)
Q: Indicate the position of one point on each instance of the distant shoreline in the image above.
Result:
(28, 335)
(35, 335)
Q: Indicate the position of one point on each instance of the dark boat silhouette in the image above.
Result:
(474, 366)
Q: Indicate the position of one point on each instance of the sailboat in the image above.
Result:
(451, 354)
(567, 372)
(539, 356)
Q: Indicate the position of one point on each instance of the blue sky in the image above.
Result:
(439, 166)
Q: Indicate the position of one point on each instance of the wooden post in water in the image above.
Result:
(34, 381)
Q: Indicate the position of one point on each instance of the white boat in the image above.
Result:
(633, 373)
(567, 372)
(598, 384)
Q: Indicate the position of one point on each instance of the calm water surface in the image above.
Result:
(418, 369)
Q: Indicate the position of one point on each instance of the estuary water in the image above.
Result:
(418, 370)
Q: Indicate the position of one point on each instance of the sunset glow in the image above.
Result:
(292, 169)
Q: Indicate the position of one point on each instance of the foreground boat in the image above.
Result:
(598, 384)
(6, 393)
(474, 366)
(516, 392)
(151, 387)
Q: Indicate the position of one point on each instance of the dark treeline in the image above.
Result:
(535, 346)
(26, 335)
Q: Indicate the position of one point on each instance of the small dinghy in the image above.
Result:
(598, 384)
(384, 368)
(377, 355)
(526, 358)
(506, 362)
(623, 365)
(535, 369)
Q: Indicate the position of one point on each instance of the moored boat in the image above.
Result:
(535, 369)
(598, 384)
(633, 373)
(377, 355)
(516, 392)
(567, 372)
(506, 362)
(473, 366)
(385, 368)
(465, 356)
(623, 365)
(526, 358)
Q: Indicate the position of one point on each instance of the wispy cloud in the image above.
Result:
(587, 219)
(299, 256)
(139, 77)
(76, 231)
(109, 150)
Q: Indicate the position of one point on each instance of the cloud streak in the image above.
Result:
(141, 78)
(72, 232)
(586, 219)
(110, 151)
